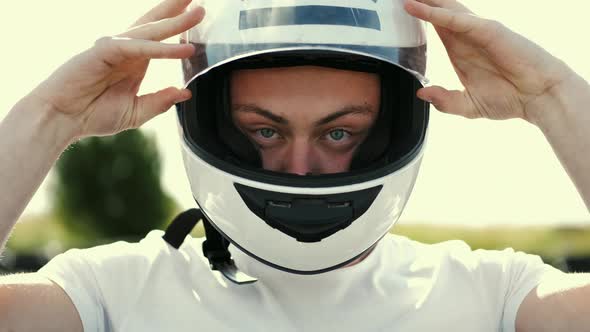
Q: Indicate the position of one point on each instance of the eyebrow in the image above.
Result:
(346, 110)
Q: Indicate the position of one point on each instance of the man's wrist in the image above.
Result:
(48, 124)
(564, 119)
(565, 102)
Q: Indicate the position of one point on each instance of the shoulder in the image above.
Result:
(106, 281)
(118, 261)
(412, 249)
(460, 256)
(124, 266)
(148, 251)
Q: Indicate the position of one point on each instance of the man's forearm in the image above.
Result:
(566, 125)
(32, 137)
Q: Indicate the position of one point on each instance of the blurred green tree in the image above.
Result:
(109, 187)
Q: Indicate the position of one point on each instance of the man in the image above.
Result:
(396, 284)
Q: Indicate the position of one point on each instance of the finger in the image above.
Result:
(113, 51)
(167, 27)
(478, 30)
(449, 101)
(448, 4)
(150, 105)
(453, 20)
(166, 9)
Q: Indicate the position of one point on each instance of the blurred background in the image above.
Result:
(493, 184)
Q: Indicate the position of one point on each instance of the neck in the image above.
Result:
(361, 258)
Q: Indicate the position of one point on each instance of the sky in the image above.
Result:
(474, 172)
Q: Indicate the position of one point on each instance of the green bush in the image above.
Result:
(109, 187)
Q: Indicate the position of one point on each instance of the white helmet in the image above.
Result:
(314, 223)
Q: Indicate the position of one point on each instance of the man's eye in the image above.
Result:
(266, 132)
(338, 134)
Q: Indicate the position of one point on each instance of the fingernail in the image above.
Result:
(185, 95)
(200, 10)
(425, 98)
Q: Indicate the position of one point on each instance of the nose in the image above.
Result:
(299, 158)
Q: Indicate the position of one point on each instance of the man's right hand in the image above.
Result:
(95, 93)
(97, 90)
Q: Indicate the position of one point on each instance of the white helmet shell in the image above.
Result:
(303, 224)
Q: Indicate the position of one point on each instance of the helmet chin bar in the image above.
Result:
(214, 247)
(307, 218)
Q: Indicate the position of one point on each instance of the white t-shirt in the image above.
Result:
(402, 286)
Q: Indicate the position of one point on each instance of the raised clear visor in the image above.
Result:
(412, 59)
(234, 29)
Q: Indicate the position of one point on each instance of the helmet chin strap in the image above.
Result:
(214, 247)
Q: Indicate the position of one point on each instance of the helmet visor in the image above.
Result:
(367, 36)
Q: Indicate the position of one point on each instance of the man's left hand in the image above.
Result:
(504, 74)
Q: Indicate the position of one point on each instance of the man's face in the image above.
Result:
(305, 119)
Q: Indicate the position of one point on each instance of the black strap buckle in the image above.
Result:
(215, 247)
